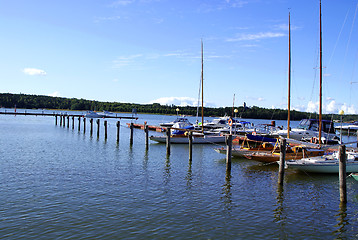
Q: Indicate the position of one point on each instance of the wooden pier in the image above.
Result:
(150, 127)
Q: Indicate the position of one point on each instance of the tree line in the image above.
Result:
(8, 100)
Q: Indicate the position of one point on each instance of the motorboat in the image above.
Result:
(179, 119)
(93, 114)
(325, 164)
(308, 130)
(180, 128)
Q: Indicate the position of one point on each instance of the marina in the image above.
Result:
(60, 182)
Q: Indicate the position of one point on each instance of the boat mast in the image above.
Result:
(320, 75)
(202, 87)
(289, 76)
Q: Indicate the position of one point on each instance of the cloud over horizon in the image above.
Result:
(180, 101)
(34, 72)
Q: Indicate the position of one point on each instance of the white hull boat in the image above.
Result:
(307, 130)
(325, 163)
(181, 119)
(206, 139)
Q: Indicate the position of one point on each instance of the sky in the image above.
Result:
(149, 51)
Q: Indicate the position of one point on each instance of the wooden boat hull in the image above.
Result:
(275, 157)
(242, 152)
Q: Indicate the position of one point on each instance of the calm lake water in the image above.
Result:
(62, 183)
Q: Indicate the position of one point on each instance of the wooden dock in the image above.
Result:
(150, 127)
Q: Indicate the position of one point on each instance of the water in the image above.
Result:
(61, 183)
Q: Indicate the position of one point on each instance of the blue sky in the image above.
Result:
(145, 51)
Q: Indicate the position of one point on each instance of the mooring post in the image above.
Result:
(73, 122)
(64, 120)
(168, 141)
(84, 125)
(228, 151)
(98, 127)
(105, 129)
(342, 174)
(281, 171)
(56, 119)
(68, 121)
(146, 130)
(79, 123)
(118, 125)
(91, 129)
(131, 134)
(60, 121)
(190, 136)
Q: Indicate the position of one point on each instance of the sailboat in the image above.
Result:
(308, 129)
(198, 136)
(328, 163)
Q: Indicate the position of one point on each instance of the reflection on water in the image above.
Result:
(61, 183)
(342, 221)
(279, 214)
(189, 175)
(227, 195)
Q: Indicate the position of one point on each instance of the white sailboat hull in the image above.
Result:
(325, 164)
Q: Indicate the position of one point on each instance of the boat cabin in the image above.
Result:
(312, 124)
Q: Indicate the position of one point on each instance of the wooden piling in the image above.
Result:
(56, 119)
(97, 127)
(168, 141)
(91, 129)
(79, 123)
(342, 174)
(64, 120)
(131, 134)
(190, 136)
(84, 125)
(60, 121)
(105, 129)
(281, 171)
(73, 122)
(146, 130)
(118, 125)
(68, 121)
(228, 151)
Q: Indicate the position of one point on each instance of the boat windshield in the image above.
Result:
(304, 124)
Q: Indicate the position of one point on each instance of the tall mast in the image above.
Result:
(320, 74)
(202, 87)
(289, 76)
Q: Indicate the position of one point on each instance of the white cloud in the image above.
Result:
(103, 19)
(180, 101)
(123, 61)
(121, 3)
(34, 72)
(348, 109)
(236, 3)
(257, 36)
(54, 94)
(332, 107)
(312, 107)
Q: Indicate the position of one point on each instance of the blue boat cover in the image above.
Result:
(260, 138)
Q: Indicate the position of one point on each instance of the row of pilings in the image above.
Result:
(281, 172)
